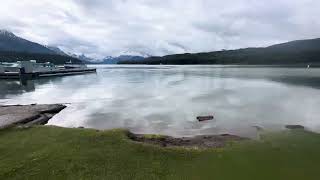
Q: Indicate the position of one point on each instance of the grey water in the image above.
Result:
(167, 99)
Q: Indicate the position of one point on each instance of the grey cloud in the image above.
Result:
(179, 46)
(158, 27)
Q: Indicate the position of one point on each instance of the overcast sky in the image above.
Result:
(158, 27)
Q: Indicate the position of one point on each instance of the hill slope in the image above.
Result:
(295, 52)
(11, 42)
(8, 56)
(14, 48)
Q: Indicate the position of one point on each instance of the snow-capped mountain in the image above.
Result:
(9, 42)
(7, 33)
(125, 56)
(134, 53)
(115, 60)
(84, 58)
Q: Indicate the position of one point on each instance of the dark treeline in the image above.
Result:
(6, 56)
(295, 52)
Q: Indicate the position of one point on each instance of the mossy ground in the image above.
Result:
(48, 152)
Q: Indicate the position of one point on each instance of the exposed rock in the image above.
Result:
(206, 141)
(28, 115)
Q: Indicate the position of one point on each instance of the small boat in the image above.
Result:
(33, 69)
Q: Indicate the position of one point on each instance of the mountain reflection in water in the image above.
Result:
(167, 99)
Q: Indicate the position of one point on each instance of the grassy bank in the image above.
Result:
(60, 153)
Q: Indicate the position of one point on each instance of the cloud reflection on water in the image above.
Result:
(168, 100)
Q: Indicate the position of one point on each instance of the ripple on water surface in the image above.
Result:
(167, 99)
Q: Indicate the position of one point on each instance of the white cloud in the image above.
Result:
(99, 28)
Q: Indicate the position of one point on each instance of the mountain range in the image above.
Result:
(14, 48)
(294, 52)
(11, 42)
(117, 59)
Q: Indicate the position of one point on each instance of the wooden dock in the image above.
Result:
(64, 72)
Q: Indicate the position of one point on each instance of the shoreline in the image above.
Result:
(52, 152)
(25, 116)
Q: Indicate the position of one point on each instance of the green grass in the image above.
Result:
(60, 153)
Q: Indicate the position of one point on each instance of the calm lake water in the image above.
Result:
(167, 99)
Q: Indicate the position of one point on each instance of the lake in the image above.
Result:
(167, 99)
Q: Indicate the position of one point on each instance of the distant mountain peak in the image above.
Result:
(123, 57)
(7, 33)
(133, 53)
(4, 31)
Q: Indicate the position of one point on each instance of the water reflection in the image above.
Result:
(167, 99)
(14, 87)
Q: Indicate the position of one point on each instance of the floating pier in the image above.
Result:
(32, 69)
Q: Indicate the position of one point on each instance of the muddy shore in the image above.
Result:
(205, 141)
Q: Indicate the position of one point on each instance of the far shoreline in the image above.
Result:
(224, 65)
